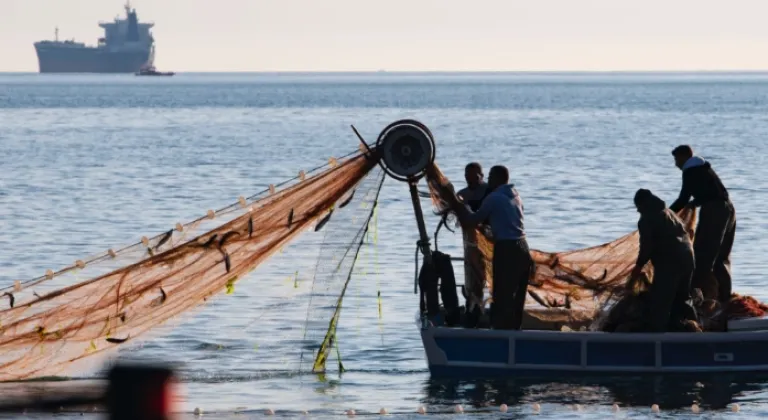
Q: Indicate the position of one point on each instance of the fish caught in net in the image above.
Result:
(102, 302)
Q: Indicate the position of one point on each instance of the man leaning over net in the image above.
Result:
(512, 262)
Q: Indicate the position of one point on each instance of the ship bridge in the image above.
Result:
(128, 31)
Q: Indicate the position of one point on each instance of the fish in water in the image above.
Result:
(164, 239)
(210, 241)
(348, 200)
(227, 262)
(323, 221)
(226, 237)
(10, 297)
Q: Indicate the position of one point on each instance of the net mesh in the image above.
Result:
(99, 303)
(338, 255)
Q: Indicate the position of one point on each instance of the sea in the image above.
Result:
(92, 162)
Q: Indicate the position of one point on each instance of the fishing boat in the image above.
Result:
(485, 352)
(558, 344)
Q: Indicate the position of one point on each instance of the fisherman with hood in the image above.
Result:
(717, 223)
(512, 262)
(474, 267)
(665, 243)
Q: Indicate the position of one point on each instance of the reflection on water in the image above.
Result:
(670, 392)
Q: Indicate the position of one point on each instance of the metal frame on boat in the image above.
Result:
(407, 148)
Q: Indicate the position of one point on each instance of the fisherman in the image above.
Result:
(476, 190)
(512, 262)
(717, 223)
(665, 243)
(474, 267)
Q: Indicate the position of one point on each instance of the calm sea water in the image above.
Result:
(93, 162)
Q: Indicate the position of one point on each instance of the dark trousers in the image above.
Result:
(512, 267)
(712, 247)
(670, 292)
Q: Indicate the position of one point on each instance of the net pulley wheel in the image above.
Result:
(407, 148)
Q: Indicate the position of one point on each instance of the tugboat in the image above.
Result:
(151, 71)
(148, 69)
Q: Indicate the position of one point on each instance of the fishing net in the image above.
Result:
(584, 280)
(586, 286)
(338, 256)
(102, 302)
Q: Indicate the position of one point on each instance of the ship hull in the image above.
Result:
(56, 59)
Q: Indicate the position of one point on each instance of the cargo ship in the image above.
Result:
(127, 47)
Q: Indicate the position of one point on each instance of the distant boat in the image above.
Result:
(126, 46)
(150, 71)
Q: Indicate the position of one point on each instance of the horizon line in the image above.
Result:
(394, 72)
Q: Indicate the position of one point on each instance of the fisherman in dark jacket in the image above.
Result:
(717, 223)
(665, 243)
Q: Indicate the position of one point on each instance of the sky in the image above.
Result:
(412, 35)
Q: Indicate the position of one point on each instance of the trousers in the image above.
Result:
(712, 246)
(512, 268)
(670, 293)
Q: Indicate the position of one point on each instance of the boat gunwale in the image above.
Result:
(548, 335)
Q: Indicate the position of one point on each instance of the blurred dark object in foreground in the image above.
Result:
(133, 392)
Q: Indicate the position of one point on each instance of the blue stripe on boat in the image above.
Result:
(547, 352)
(621, 354)
(488, 350)
(741, 353)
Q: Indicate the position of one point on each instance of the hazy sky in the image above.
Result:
(361, 35)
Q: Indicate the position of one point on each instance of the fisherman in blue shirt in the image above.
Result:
(502, 208)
